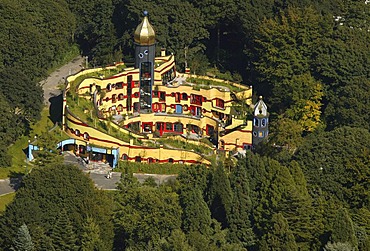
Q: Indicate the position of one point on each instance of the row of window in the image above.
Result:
(168, 127)
(260, 134)
(161, 107)
(149, 160)
(194, 98)
(77, 132)
(260, 122)
(118, 85)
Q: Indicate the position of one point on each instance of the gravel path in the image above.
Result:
(50, 84)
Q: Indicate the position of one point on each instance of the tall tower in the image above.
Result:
(145, 53)
(260, 122)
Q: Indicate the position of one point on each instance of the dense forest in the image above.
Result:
(307, 188)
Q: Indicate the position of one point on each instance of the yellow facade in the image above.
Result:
(176, 107)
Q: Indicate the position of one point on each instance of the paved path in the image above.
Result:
(50, 84)
(5, 187)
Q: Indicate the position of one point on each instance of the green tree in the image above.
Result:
(11, 124)
(62, 234)
(144, 215)
(23, 96)
(361, 220)
(274, 190)
(280, 237)
(177, 241)
(23, 240)
(340, 62)
(239, 217)
(36, 35)
(150, 182)
(338, 161)
(179, 26)
(283, 47)
(220, 195)
(196, 216)
(44, 192)
(5, 158)
(48, 154)
(343, 229)
(95, 30)
(194, 176)
(91, 236)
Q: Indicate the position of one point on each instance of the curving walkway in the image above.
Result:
(56, 78)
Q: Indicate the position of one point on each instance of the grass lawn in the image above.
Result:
(5, 200)
(17, 150)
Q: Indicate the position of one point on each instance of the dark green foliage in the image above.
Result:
(239, 217)
(274, 190)
(361, 220)
(150, 182)
(338, 162)
(35, 35)
(220, 195)
(48, 154)
(196, 216)
(95, 32)
(177, 241)
(5, 158)
(195, 176)
(343, 229)
(44, 193)
(91, 236)
(62, 234)
(280, 237)
(21, 101)
(144, 215)
(345, 75)
(179, 26)
(23, 240)
(11, 123)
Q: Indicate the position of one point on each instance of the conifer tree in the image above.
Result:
(220, 195)
(196, 216)
(90, 236)
(46, 244)
(280, 237)
(304, 220)
(63, 234)
(240, 227)
(177, 241)
(343, 229)
(23, 240)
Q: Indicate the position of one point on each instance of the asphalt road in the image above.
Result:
(50, 84)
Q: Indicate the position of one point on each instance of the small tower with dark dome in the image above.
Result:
(144, 38)
(260, 122)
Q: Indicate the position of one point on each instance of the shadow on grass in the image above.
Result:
(55, 110)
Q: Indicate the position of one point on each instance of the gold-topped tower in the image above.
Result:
(144, 33)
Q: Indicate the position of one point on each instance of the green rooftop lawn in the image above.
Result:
(186, 145)
(207, 83)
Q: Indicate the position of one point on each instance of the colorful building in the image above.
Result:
(134, 108)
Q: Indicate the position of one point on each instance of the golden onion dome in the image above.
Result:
(144, 33)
